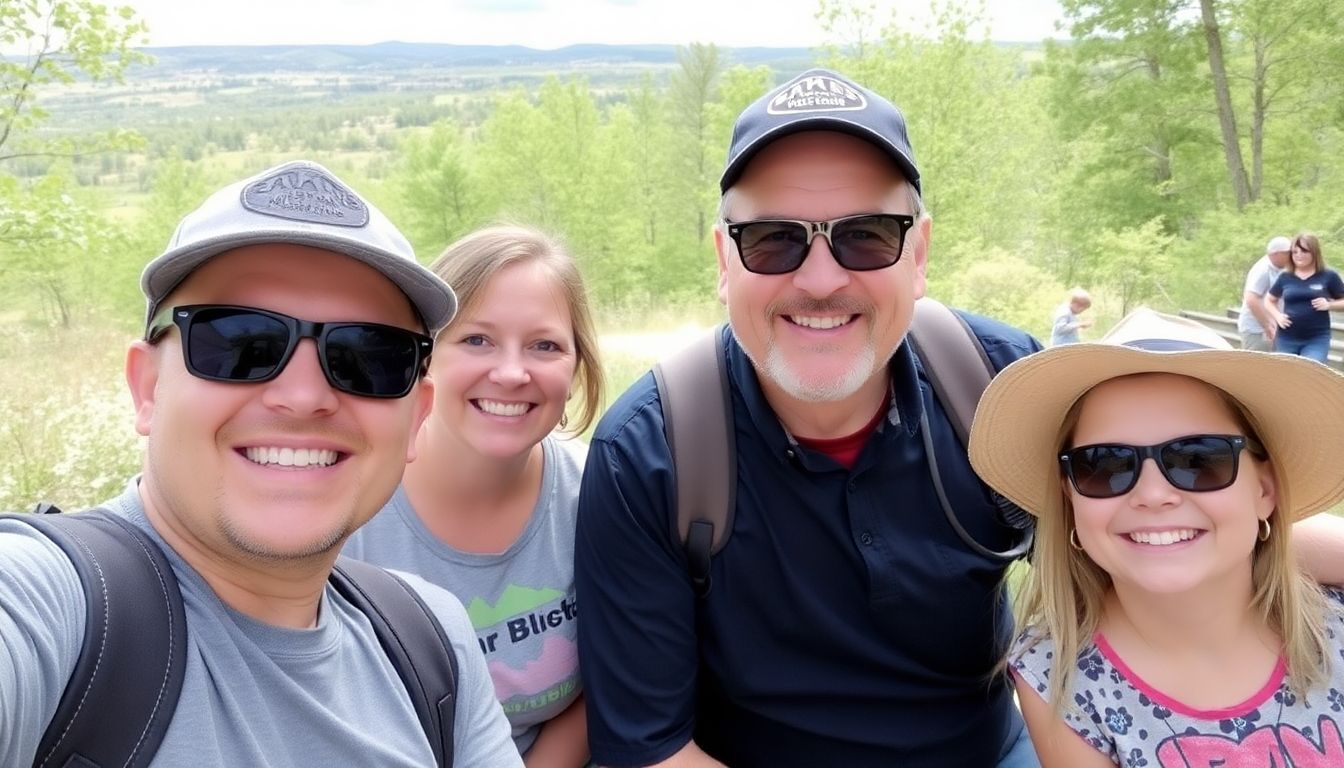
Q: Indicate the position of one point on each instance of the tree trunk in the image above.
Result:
(1227, 120)
(1259, 108)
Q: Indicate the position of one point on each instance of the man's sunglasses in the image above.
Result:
(247, 345)
(1191, 463)
(859, 243)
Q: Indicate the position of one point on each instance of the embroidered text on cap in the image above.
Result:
(816, 93)
(305, 194)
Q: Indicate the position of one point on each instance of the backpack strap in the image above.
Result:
(123, 692)
(415, 643)
(954, 361)
(697, 401)
(959, 370)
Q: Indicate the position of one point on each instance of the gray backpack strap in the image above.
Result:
(123, 692)
(954, 361)
(697, 406)
(959, 370)
(415, 643)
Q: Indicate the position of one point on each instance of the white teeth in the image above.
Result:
(1163, 538)
(496, 408)
(820, 323)
(292, 457)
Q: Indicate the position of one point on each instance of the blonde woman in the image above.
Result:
(487, 509)
(1165, 620)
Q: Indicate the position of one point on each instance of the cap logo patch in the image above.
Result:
(305, 194)
(816, 93)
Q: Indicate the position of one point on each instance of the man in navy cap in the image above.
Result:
(846, 622)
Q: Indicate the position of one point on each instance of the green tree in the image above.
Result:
(438, 187)
(1135, 263)
(692, 93)
(62, 40)
(43, 223)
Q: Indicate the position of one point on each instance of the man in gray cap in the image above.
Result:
(280, 384)
(1253, 321)
(844, 622)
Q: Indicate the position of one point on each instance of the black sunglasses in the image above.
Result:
(860, 243)
(1191, 463)
(248, 345)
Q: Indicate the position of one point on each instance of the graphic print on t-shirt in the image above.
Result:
(528, 638)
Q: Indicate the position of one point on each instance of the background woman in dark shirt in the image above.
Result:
(1301, 299)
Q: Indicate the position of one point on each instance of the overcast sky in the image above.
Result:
(538, 23)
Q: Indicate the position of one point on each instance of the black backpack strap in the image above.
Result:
(959, 370)
(415, 643)
(123, 692)
(697, 402)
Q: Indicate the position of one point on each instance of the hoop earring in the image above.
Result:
(1264, 532)
(564, 420)
(1073, 539)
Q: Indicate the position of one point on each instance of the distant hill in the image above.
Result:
(397, 56)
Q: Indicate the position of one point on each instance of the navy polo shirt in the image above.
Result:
(848, 624)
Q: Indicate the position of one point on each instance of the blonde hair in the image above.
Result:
(1063, 594)
(468, 265)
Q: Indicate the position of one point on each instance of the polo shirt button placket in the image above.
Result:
(866, 539)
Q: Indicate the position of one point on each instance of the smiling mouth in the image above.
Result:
(1163, 538)
(820, 322)
(291, 457)
(497, 408)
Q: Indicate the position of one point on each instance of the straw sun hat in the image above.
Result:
(1296, 406)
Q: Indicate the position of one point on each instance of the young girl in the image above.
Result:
(487, 509)
(1165, 619)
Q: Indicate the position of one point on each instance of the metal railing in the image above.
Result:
(1226, 326)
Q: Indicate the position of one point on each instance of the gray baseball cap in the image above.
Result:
(1279, 244)
(819, 100)
(301, 203)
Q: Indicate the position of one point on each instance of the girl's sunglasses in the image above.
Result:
(248, 345)
(1192, 463)
(860, 243)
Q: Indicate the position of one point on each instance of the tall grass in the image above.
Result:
(66, 429)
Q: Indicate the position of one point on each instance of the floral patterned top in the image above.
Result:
(1138, 726)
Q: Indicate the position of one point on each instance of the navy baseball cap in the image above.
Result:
(819, 100)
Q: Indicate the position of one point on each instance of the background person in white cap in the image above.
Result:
(1254, 323)
(846, 622)
(1165, 619)
(280, 384)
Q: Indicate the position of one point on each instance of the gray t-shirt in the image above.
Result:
(1134, 724)
(1258, 280)
(521, 601)
(252, 694)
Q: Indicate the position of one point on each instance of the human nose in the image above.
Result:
(510, 369)
(301, 388)
(1152, 489)
(820, 274)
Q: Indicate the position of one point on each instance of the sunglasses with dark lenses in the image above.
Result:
(248, 345)
(1191, 463)
(860, 243)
